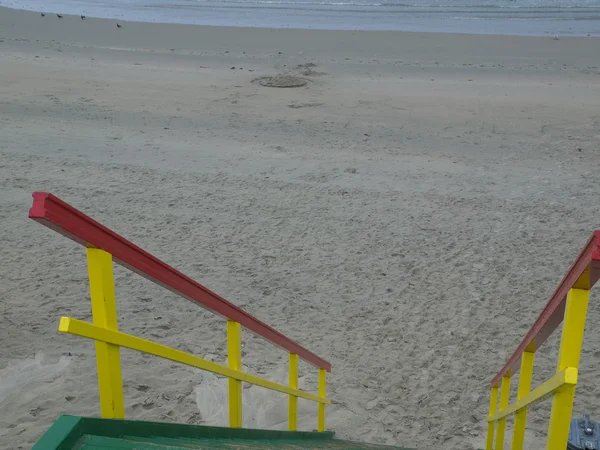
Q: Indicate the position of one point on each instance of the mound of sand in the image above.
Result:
(282, 81)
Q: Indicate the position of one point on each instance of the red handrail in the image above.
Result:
(583, 274)
(68, 221)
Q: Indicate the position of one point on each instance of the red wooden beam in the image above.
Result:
(582, 274)
(68, 221)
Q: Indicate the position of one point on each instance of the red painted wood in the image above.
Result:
(582, 274)
(68, 221)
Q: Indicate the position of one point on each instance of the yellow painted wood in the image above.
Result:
(569, 355)
(525, 376)
(234, 361)
(560, 418)
(504, 396)
(322, 391)
(573, 329)
(104, 312)
(87, 330)
(293, 400)
(558, 383)
(489, 442)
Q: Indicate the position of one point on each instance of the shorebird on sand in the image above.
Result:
(43, 15)
(82, 17)
(59, 16)
(119, 25)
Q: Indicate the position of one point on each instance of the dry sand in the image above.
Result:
(406, 214)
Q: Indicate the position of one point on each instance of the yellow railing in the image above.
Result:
(63, 218)
(569, 304)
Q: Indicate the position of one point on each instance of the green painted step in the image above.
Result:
(88, 433)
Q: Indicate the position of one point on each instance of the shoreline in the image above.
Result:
(396, 47)
(225, 18)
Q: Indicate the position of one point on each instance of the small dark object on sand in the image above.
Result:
(119, 25)
(232, 68)
(43, 15)
(82, 17)
(59, 16)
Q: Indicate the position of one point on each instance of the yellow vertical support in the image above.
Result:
(504, 396)
(234, 361)
(293, 399)
(493, 406)
(524, 387)
(104, 313)
(322, 381)
(570, 351)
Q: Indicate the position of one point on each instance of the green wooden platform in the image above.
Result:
(87, 433)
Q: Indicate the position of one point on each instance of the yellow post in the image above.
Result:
(234, 361)
(293, 399)
(322, 381)
(493, 407)
(524, 387)
(504, 395)
(570, 351)
(104, 313)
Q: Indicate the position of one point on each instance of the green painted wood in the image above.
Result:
(90, 442)
(118, 428)
(133, 443)
(87, 433)
(63, 434)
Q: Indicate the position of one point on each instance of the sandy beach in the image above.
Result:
(406, 214)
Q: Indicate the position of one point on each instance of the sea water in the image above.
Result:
(520, 17)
